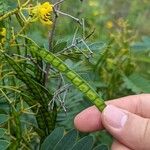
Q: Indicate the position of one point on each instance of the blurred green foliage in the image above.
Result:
(111, 50)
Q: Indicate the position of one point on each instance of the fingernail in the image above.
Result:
(114, 116)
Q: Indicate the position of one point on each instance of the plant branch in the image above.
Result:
(68, 15)
(14, 11)
(75, 42)
(50, 40)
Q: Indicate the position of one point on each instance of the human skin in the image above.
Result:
(127, 119)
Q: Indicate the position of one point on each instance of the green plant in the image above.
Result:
(40, 49)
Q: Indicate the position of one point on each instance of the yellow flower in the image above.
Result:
(46, 8)
(45, 11)
(2, 35)
(109, 24)
(42, 12)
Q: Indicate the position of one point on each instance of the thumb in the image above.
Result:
(129, 129)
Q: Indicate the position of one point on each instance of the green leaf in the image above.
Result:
(51, 140)
(46, 119)
(97, 46)
(105, 138)
(101, 147)
(2, 132)
(67, 141)
(60, 46)
(3, 118)
(4, 144)
(137, 83)
(3, 6)
(140, 58)
(143, 46)
(85, 143)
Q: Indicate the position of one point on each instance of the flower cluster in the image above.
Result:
(42, 12)
(2, 35)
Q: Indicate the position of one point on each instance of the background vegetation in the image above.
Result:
(106, 42)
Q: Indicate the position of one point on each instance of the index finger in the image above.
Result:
(89, 120)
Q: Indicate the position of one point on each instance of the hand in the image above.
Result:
(126, 119)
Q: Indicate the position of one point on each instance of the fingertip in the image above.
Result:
(89, 120)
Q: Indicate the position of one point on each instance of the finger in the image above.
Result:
(137, 104)
(118, 146)
(128, 128)
(90, 119)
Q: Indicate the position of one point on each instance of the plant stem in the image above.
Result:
(50, 41)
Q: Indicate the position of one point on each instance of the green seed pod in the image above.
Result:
(71, 75)
(62, 68)
(99, 103)
(55, 62)
(84, 88)
(78, 81)
(49, 57)
(90, 94)
(42, 53)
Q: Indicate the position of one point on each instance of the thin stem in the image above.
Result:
(50, 41)
(7, 98)
(19, 4)
(68, 15)
(57, 3)
(14, 11)
(22, 30)
(9, 14)
(26, 3)
(76, 43)
(83, 28)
